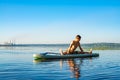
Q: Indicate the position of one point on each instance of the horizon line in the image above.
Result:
(59, 43)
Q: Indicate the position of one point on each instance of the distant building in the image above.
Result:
(10, 43)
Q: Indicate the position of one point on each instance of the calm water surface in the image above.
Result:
(16, 63)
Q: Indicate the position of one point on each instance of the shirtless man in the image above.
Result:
(74, 44)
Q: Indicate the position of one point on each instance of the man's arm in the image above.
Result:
(80, 48)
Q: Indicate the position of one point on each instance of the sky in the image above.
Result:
(59, 21)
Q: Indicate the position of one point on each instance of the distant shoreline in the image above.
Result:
(94, 46)
(57, 44)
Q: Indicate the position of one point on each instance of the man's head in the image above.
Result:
(78, 37)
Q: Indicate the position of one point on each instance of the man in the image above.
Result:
(74, 44)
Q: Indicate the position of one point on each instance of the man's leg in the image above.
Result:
(63, 53)
(90, 52)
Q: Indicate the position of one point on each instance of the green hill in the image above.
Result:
(103, 46)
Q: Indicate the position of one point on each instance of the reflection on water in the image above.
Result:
(74, 65)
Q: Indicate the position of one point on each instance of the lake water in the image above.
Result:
(17, 63)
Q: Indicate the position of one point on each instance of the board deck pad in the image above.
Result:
(49, 55)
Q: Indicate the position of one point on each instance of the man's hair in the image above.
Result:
(78, 36)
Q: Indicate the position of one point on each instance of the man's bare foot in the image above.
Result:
(61, 52)
(90, 52)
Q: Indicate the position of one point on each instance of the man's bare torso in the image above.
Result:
(74, 45)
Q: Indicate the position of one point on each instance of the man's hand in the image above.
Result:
(81, 49)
